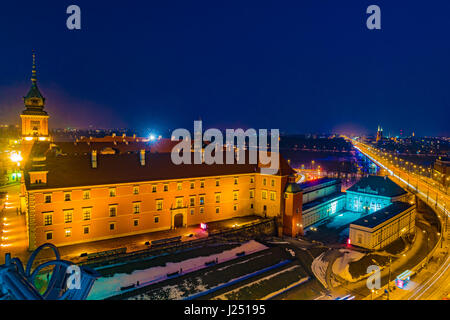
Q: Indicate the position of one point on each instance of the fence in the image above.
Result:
(259, 228)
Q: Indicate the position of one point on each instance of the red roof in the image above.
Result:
(75, 170)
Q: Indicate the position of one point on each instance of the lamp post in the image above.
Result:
(389, 277)
(439, 234)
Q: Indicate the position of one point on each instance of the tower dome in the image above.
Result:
(34, 100)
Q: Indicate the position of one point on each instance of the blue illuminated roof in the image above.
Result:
(381, 186)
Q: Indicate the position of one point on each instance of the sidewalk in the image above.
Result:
(13, 229)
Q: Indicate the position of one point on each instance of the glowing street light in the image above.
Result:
(15, 157)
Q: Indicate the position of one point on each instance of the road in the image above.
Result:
(436, 285)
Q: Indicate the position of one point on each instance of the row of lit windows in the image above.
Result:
(48, 220)
(86, 213)
(86, 229)
(112, 191)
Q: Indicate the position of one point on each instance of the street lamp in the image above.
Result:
(439, 234)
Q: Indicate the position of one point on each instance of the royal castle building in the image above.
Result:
(96, 189)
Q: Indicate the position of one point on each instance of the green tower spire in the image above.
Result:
(34, 100)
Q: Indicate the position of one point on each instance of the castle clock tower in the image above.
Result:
(34, 117)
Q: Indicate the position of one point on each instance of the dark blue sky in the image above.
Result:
(300, 66)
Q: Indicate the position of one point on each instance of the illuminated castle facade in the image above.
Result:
(94, 189)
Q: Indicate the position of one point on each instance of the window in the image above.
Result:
(136, 207)
(272, 183)
(235, 207)
(202, 210)
(154, 188)
(136, 190)
(179, 202)
(86, 230)
(217, 197)
(252, 194)
(235, 195)
(202, 184)
(251, 205)
(112, 210)
(166, 187)
(159, 205)
(264, 194)
(192, 212)
(86, 213)
(179, 186)
(235, 180)
(49, 235)
(217, 209)
(48, 219)
(192, 201)
(112, 192)
(202, 200)
(136, 222)
(156, 219)
(112, 226)
(68, 215)
(67, 232)
(252, 179)
(272, 196)
(264, 181)
(66, 196)
(217, 182)
(86, 194)
(192, 185)
(48, 198)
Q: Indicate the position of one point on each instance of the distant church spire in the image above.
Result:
(379, 133)
(33, 69)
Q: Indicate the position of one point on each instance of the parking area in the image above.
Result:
(334, 230)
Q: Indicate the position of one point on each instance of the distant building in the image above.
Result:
(379, 134)
(441, 172)
(373, 193)
(379, 229)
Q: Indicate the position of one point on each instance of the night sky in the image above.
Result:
(300, 66)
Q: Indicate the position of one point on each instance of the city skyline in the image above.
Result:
(261, 67)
